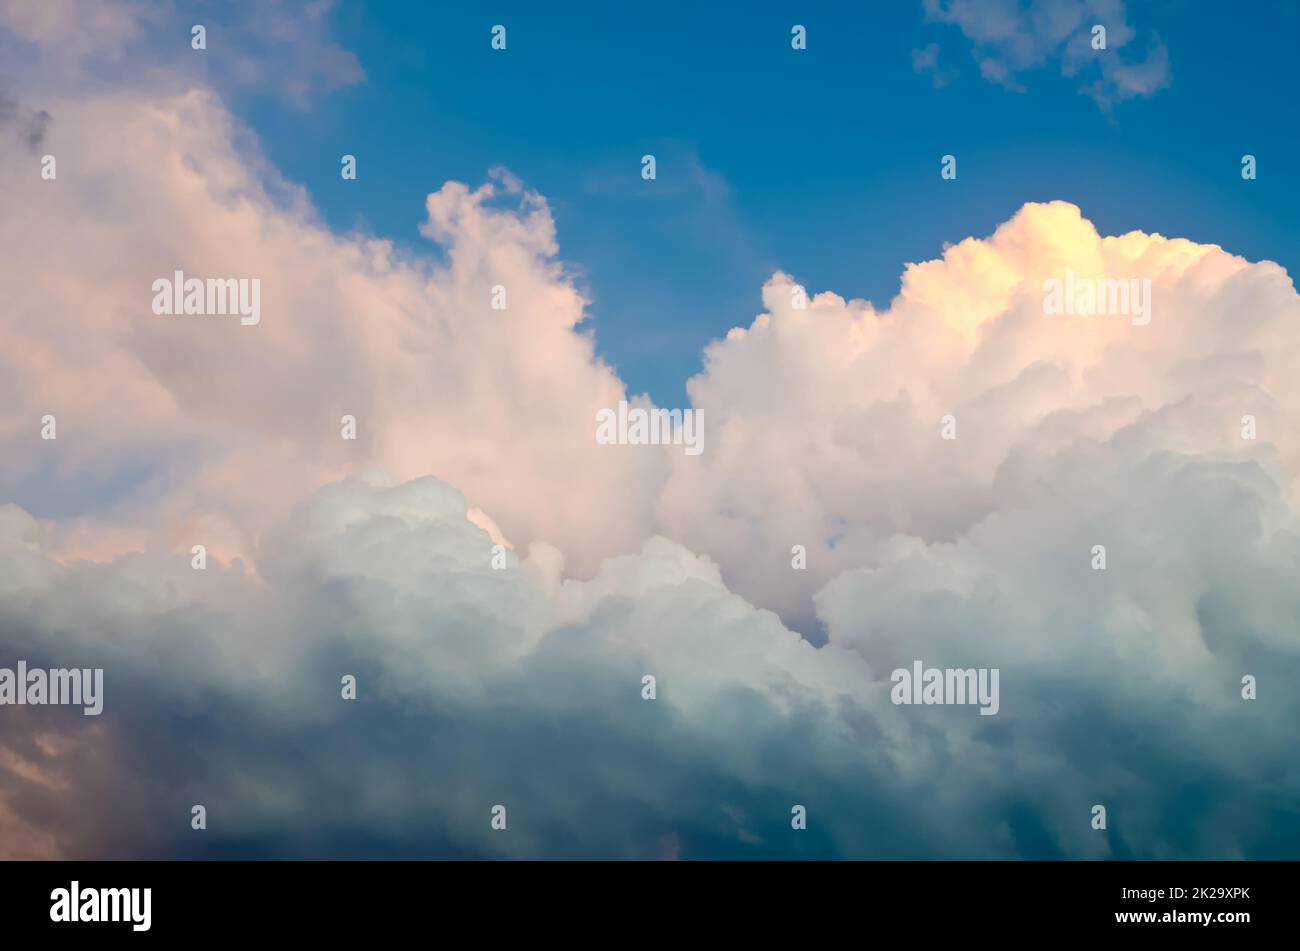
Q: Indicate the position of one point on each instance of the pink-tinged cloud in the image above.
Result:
(476, 427)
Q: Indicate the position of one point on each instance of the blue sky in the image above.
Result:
(822, 162)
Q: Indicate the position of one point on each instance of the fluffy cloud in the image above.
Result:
(820, 424)
(825, 422)
(171, 427)
(476, 687)
(522, 687)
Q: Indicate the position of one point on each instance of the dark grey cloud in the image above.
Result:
(480, 687)
(37, 125)
(33, 124)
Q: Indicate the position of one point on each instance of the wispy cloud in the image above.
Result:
(1011, 38)
(926, 60)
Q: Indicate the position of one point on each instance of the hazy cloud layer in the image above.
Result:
(250, 47)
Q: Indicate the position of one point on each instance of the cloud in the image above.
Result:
(31, 129)
(1013, 37)
(78, 30)
(287, 47)
(522, 686)
(519, 687)
(182, 426)
(824, 423)
(926, 60)
(262, 48)
(473, 683)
